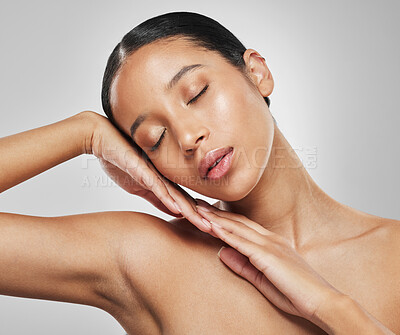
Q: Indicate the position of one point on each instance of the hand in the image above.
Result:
(130, 168)
(270, 263)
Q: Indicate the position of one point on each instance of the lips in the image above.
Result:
(210, 158)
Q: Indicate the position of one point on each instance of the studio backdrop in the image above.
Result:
(337, 80)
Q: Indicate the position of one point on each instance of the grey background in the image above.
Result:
(336, 70)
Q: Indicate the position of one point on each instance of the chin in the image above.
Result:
(231, 188)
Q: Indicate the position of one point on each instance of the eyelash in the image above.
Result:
(198, 95)
(155, 147)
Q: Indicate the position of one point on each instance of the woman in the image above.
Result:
(183, 95)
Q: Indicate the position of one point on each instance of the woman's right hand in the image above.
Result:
(136, 174)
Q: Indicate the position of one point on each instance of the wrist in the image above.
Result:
(331, 314)
(88, 121)
(341, 314)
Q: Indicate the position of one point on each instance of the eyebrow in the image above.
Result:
(135, 125)
(139, 120)
(181, 73)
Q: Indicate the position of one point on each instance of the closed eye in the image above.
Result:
(155, 146)
(198, 95)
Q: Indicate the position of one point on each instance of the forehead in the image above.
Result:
(159, 60)
(147, 71)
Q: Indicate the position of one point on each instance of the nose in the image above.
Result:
(190, 133)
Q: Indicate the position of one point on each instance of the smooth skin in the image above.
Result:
(267, 182)
(270, 263)
(156, 277)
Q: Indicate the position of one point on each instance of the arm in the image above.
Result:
(29, 153)
(71, 258)
(343, 315)
(84, 259)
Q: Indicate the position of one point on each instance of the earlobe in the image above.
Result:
(258, 72)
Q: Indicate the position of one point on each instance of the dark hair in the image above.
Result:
(199, 29)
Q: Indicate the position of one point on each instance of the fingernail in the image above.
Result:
(219, 252)
(202, 208)
(206, 222)
(177, 207)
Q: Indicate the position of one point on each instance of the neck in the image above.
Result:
(286, 200)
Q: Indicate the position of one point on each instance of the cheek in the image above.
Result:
(228, 108)
(220, 110)
(250, 123)
(172, 165)
(243, 114)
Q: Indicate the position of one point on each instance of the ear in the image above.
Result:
(258, 72)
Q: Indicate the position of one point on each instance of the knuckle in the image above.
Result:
(145, 181)
(132, 170)
(190, 215)
(245, 266)
(267, 260)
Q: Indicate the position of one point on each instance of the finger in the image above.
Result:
(235, 227)
(138, 168)
(152, 198)
(183, 202)
(161, 192)
(187, 205)
(234, 216)
(180, 190)
(194, 217)
(175, 191)
(179, 194)
(241, 244)
(177, 201)
(151, 181)
(182, 199)
(116, 174)
(241, 265)
(259, 259)
(126, 181)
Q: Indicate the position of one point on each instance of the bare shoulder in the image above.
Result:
(150, 246)
(389, 229)
(137, 246)
(384, 233)
(392, 225)
(389, 260)
(383, 243)
(392, 233)
(138, 237)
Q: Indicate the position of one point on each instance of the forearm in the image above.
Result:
(29, 153)
(346, 316)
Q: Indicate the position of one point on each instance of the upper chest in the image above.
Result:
(198, 294)
(188, 290)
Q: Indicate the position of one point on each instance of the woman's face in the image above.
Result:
(229, 112)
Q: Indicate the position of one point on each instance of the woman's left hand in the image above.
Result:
(270, 263)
